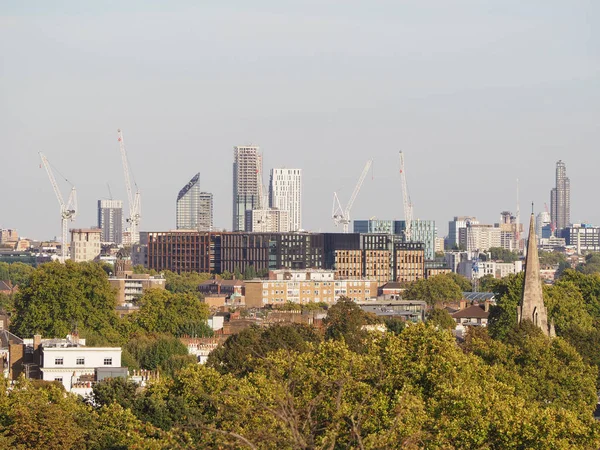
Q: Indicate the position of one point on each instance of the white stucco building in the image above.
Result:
(77, 367)
(285, 193)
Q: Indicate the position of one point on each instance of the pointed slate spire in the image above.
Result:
(532, 301)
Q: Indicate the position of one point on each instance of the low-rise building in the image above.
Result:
(475, 315)
(272, 292)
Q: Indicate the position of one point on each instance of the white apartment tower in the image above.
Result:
(285, 194)
(247, 169)
(110, 221)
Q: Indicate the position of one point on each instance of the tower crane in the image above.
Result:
(408, 206)
(68, 211)
(342, 215)
(134, 200)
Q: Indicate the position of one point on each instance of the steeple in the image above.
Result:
(532, 301)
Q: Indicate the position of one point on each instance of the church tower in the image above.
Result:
(532, 301)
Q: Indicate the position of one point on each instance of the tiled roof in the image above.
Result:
(475, 311)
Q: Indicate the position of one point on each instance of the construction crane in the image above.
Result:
(262, 198)
(134, 200)
(68, 211)
(342, 215)
(408, 206)
(474, 253)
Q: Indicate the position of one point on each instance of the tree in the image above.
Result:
(237, 274)
(185, 283)
(115, 390)
(159, 351)
(394, 324)
(57, 297)
(503, 315)
(17, 273)
(463, 282)
(437, 289)
(566, 307)
(551, 258)
(345, 321)
(439, 317)
(591, 265)
(178, 314)
(502, 254)
(227, 275)
(486, 283)
(241, 353)
(250, 272)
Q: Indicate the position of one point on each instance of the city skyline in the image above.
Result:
(461, 89)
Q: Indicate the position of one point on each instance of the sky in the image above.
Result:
(476, 94)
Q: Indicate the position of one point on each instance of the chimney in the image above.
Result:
(463, 304)
(37, 341)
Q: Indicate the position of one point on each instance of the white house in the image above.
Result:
(77, 367)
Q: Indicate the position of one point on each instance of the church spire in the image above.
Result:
(532, 301)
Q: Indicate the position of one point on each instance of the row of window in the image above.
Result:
(60, 361)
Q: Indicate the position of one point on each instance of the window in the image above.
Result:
(59, 379)
(59, 361)
(108, 361)
(80, 361)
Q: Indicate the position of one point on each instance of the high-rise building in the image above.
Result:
(285, 194)
(110, 221)
(560, 198)
(542, 219)
(247, 169)
(194, 208)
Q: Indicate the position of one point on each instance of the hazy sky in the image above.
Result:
(476, 93)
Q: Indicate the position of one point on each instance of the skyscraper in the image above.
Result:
(285, 193)
(194, 208)
(560, 199)
(110, 221)
(247, 169)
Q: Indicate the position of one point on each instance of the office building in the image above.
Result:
(285, 194)
(584, 237)
(560, 198)
(247, 169)
(454, 227)
(194, 208)
(85, 244)
(110, 221)
(423, 231)
(8, 236)
(479, 237)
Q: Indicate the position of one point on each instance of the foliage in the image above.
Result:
(502, 254)
(566, 307)
(394, 324)
(591, 265)
(414, 390)
(463, 282)
(503, 315)
(226, 275)
(551, 258)
(17, 272)
(241, 353)
(139, 269)
(310, 306)
(185, 283)
(6, 302)
(439, 317)
(159, 351)
(250, 272)
(486, 283)
(345, 321)
(44, 417)
(437, 289)
(179, 314)
(112, 390)
(57, 297)
(589, 286)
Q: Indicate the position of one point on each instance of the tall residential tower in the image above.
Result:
(285, 194)
(247, 168)
(560, 199)
(194, 208)
(110, 221)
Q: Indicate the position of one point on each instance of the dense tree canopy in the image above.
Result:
(502, 254)
(441, 318)
(179, 314)
(437, 289)
(414, 390)
(591, 265)
(17, 273)
(57, 297)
